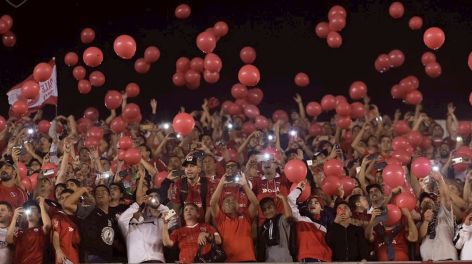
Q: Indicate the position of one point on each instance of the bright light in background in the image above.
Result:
(270, 137)
(166, 126)
(293, 133)
(230, 126)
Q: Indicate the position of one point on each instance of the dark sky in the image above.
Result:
(282, 31)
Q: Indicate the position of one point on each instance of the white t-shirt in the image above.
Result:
(5, 251)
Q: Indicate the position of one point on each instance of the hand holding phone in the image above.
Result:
(169, 215)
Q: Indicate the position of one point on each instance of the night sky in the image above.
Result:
(281, 31)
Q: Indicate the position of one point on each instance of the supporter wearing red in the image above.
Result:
(11, 189)
(65, 236)
(312, 246)
(6, 213)
(97, 226)
(235, 227)
(30, 242)
(191, 236)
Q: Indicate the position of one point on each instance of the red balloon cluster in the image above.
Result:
(464, 129)
(8, 37)
(337, 22)
(151, 55)
(246, 100)
(407, 90)
(206, 40)
(394, 59)
(280, 115)
(432, 68)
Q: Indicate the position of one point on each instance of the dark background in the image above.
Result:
(281, 31)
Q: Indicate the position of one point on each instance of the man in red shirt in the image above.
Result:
(30, 243)
(10, 190)
(191, 236)
(65, 237)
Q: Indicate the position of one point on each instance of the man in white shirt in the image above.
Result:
(6, 212)
(142, 227)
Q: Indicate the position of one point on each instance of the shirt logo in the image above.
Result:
(71, 229)
(12, 194)
(108, 235)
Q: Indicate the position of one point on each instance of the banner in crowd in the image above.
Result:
(47, 92)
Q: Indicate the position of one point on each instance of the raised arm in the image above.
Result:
(254, 203)
(44, 216)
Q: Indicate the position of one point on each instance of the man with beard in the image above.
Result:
(10, 188)
(6, 213)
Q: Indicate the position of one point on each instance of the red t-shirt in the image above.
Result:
(237, 237)
(193, 195)
(400, 245)
(29, 245)
(269, 188)
(15, 196)
(68, 235)
(187, 239)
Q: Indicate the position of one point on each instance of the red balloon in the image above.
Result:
(83, 125)
(118, 125)
(434, 38)
(79, 73)
(152, 54)
(396, 57)
(182, 64)
(8, 20)
(91, 142)
(427, 58)
(337, 22)
(192, 77)
(182, 11)
(433, 69)
(315, 130)
(400, 143)
(248, 128)
(343, 122)
(84, 86)
(9, 39)
(132, 89)
(97, 78)
(333, 167)
(125, 47)
(469, 61)
(464, 129)
(235, 109)
(93, 56)
(340, 99)
(251, 111)
(87, 35)
(330, 185)
(313, 109)
(405, 200)
(19, 108)
(159, 178)
(413, 98)
(43, 126)
(306, 193)
(183, 124)
(34, 180)
(336, 10)
(213, 102)
(382, 63)
(131, 112)
(421, 167)
(132, 156)
(249, 75)
(394, 214)
(302, 79)
(414, 137)
(239, 91)
(401, 127)
(280, 115)
(30, 90)
(261, 122)
(206, 42)
(247, 55)
(334, 39)
(295, 170)
(343, 109)
(27, 184)
(95, 132)
(415, 23)
(113, 99)
(141, 66)
(393, 175)
(357, 90)
(396, 10)
(125, 143)
(348, 184)
(402, 155)
(3, 123)
(328, 102)
(242, 102)
(221, 28)
(322, 29)
(92, 114)
(470, 98)
(255, 96)
(3, 27)
(196, 64)
(212, 63)
(357, 110)
(42, 72)
(178, 79)
(211, 77)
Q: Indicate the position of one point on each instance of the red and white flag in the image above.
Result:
(47, 91)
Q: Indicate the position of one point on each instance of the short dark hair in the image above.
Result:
(7, 204)
(63, 185)
(339, 202)
(152, 190)
(102, 186)
(191, 204)
(66, 191)
(265, 201)
(374, 185)
(119, 185)
(353, 200)
(75, 181)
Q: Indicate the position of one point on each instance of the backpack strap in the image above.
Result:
(203, 191)
(183, 190)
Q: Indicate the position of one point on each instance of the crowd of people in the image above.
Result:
(221, 193)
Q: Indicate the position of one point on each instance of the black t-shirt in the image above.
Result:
(97, 231)
(119, 245)
(117, 210)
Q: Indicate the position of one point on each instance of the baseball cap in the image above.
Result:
(190, 159)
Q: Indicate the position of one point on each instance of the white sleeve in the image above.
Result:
(164, 209)
(292, 202)
(125, 218)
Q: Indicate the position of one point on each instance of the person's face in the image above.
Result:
(62, 198)
(85, 168)
(269, 210)
(44, 143)
(363, 203)
(372, 142)
(438, 131)
(375, 195)
(115, 192)
(453, 188)
(253, 142)
(444, 150)
(102, 196)
(35, 166)
(357, 190)
(178, 152)
(229, 205)
(314, 206)
(6, 172)
(269, 167)
(427, 203)
(5, 214)
(191, 171)
(34, 216)
(103, 146)
(190, 213)
(385, 144)
(105, 164)
(209, 165)
(174, 163)
(71, 185)
(58, 191)
(327, 130)
(144, 152)
(231, 168)
(84, 154)
(206, 140)
(343, 210)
